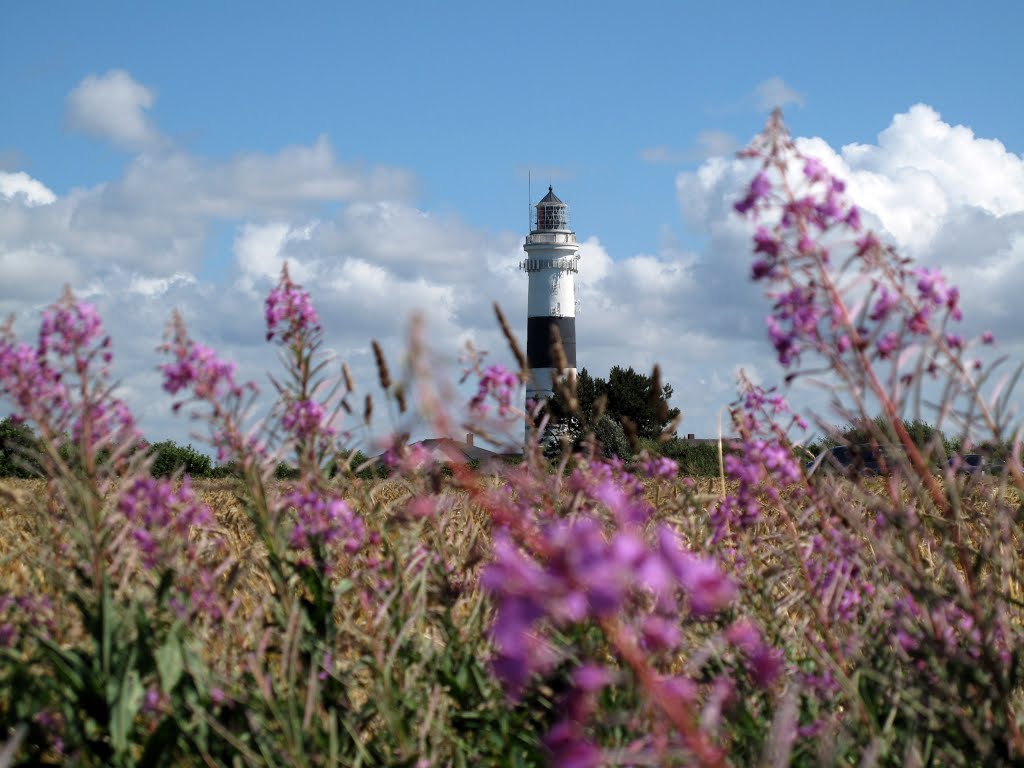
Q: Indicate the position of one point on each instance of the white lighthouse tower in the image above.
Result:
(552, 261)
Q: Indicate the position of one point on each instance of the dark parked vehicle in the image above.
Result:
(974, 464)
(861, 459)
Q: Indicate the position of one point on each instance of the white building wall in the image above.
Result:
(552, 294)
(552, 291)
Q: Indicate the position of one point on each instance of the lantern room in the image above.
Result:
(551, 214)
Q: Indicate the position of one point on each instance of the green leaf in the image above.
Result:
(170, 662)
(107, 624)
(124, 710)
(68, 666)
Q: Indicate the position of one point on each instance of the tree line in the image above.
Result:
(626, 413)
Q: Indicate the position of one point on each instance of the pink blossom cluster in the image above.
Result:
(160, 517)
(764, 663)
(69, 328)
(162, 520)
(796, 219)
(761, 460)
(833, 566)
(71, 348)
(305, 419)
(407, 459)
(109, 422)
(951, 629)
(496, 383)
(36, 389)
(602, 563)
(289, 311)
(320, 520)
(588, 574)
(197, 367)
(660, 467)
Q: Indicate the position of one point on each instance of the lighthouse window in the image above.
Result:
(550, 217)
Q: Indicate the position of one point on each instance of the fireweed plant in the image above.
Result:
(907, 598)
(580, 612)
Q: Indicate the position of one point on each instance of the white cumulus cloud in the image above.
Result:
(113, 106)
(20, 187)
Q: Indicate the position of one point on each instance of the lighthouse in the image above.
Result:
(552, 261)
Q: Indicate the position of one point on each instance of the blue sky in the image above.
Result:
(425, 118)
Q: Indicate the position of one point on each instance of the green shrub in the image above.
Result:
(699, 460)
(169, 457)
(230, 469)
(285, 472)
(18, 450)
(612, 437)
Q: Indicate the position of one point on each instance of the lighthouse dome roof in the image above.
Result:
(550, 198)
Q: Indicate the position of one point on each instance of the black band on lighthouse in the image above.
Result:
(538, 340)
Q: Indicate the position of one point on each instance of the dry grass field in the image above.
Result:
(765, 561)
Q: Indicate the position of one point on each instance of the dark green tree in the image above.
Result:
(642, 399)
(625, 397)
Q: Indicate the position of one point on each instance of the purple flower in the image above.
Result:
(659, 633)
(661, 466)
(570, 748)
(763, 662)
(853, 218)
(321, 520)
(931, 286)
(884, 304)
(160, 517)
(69, 328)
(794, 323)
(762, 268)
(152, 701)
(766, 242)
(887, 344)
(708, 589)
(591, 678)
(765, 665)
(197, 367)
(304, 419)
(499, 384)
(814, 170)
(289, 311)
(34, 387)
(760, 188)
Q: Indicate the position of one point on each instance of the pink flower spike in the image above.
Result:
(289, 311)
